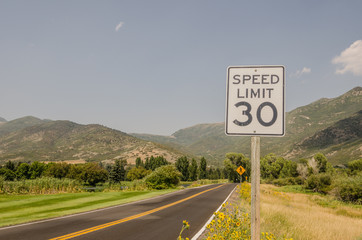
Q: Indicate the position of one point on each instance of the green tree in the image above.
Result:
(10, 165)
(22, 171)
(289, 169)
(139, 162)
(319, 183)
(271, 167)
(158, 162)
(182, 165)
(92, 174)
(118, 171)
(323, 164)
(230, 171)
(75, 172)
(356, 165)
(8, 174)
(147, 164)
(155, 162)
(36, 169)
(214, 173)
(193, 170)
(202, 172)
(57, 170)
(137, 173)
(232, 162)
(163, 177)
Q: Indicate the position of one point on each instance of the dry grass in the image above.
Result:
(300, 217)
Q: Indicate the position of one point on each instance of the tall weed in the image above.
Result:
(44, 185)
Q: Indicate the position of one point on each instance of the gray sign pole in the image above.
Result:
(255, 188)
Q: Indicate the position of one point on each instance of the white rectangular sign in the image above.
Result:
(255, 101)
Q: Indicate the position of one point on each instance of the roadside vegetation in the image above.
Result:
(59, 177)
(315, 175)
(286, 216)
(232, 221)
(304, 200)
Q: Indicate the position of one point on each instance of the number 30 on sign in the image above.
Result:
(255, 104)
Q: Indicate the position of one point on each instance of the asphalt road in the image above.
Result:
(157, 218)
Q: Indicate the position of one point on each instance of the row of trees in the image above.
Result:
(315, 174)
(274, 167)
(89, 173)
(93, 173)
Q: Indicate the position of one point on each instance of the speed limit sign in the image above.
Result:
(255, 101)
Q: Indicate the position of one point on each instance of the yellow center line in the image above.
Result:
(99, 227)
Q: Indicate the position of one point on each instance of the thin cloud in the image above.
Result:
(299, 73)
(119, 26)
(350, 59)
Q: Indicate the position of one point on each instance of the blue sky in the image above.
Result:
(159, 66)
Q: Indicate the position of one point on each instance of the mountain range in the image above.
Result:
(331, 126)
(33, 139)
(303, 123)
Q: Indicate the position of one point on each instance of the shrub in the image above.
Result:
(299, 180)
(22, 172)
(163, 177)
(92, 174)
(36, 169)
(8, 174)
(57, 170)
(312, 182)
(319, 183)
(287, 181)
(355, 165)
(137, 173)
(349, 189)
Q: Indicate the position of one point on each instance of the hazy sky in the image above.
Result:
(159, 66)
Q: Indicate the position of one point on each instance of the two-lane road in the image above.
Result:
(156, 218)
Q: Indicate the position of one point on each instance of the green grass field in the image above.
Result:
(16, 209)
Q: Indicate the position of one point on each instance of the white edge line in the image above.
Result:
(97, 210)
(198, 234)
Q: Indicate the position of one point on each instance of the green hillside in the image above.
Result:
(210, 141)
(65, 140)
(340, 142)
(348, 129)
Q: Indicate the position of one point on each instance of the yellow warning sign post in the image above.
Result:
(240, 170)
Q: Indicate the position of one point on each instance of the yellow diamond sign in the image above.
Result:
(240, 170)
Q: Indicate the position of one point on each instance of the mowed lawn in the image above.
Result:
(15, 209)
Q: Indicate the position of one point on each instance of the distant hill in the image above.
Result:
(19, 124)
(348, 129)
(65, 140)
(331, 126)
(210, 141)
(340, 141)
(2, 120)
